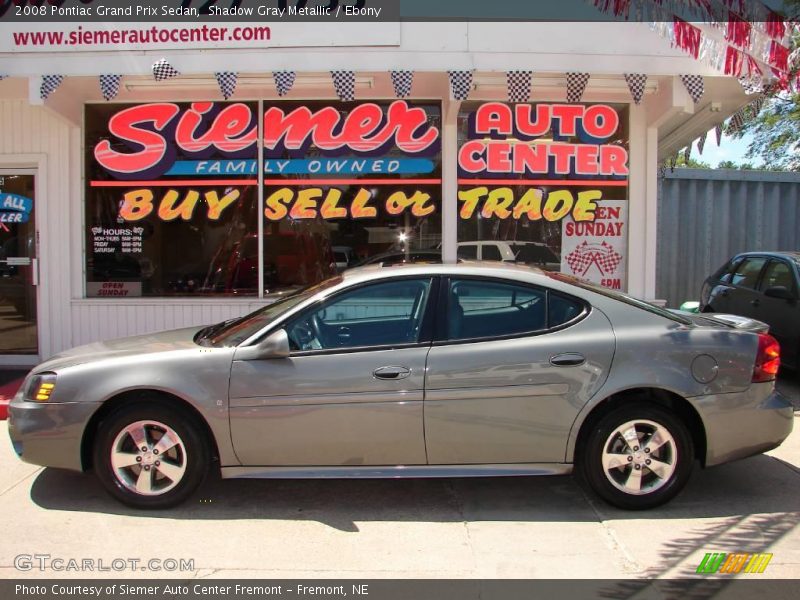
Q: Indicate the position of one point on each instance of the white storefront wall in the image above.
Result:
(48, 136)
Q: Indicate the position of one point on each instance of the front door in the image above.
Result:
(350, 394)
(18, 275)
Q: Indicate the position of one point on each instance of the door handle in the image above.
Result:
(568, 359)
(391, 373)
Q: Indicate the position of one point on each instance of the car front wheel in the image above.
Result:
(150, 456)
(638, 456)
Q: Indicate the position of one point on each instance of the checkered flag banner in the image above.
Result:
(284, 80)
(460, 84)
(344, 82)
(701, 142)
(687, 154)
(109, 86)
(718, 133)
(227, 83)
(636, 84)
(602, 255)
(519, 85)
(694, 85)
(576, 85)
(163, 70)
(402, 82)
(49, 85)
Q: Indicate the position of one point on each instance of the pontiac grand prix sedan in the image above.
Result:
(413, 371)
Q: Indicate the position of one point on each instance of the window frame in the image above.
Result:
(441, 339)
(425, 333)
(760, 275)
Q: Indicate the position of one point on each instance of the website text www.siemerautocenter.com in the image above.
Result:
(197, 589)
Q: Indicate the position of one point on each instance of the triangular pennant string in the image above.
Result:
(460, 84)
(109, 86)
(284, 80)
(694, 85)
(519, 85)
(576, 85)
(402, 82)
(344, 83)
(636, 85)
(49, 85)
(227, 83)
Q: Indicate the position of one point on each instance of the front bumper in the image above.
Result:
(49, 434)
(742, 424)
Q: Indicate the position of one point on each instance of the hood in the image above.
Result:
(153, 343)
(717, 319)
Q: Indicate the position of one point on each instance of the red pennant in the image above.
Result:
(776, 26)
(778, 56)
(734, 60)
(738, 31)
(687, 37)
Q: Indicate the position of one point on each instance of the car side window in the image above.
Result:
(561, 309)
(778, 273)
(382, 314)
(490, 252)
(478, 308)
(746, 275)
(468, 252)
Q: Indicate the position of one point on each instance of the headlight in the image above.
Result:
(41, 387)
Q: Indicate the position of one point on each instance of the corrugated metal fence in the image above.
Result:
(706, 216)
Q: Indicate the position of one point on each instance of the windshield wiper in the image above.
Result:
(207, 332)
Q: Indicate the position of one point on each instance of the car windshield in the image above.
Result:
(235, 331)
(630, 300)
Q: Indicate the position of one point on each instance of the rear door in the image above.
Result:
(510, 369)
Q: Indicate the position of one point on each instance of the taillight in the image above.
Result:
(768, 358)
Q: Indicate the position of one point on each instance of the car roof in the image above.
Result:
(793, 254)
(465, 267)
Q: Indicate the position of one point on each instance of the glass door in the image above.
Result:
(18, 269)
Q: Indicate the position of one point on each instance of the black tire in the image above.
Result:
(193, 453)
(679, 453)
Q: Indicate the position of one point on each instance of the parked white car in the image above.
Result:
(529, 253)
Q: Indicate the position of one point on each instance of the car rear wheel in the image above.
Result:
(150, 456)
(638, 456)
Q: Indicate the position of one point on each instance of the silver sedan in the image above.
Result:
(414, 371)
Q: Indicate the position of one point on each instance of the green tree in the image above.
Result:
(691, 164)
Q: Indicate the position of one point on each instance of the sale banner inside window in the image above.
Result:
(545, 185)
(172, 199)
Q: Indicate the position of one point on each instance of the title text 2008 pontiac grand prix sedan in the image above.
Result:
(413, 371)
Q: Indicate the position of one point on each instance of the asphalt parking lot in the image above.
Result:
(506, 527)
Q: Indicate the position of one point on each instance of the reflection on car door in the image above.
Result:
(350, 393)
(783, 316)
(514, 366)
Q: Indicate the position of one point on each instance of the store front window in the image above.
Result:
(172, 200)
(545, 185)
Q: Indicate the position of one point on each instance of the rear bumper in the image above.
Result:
(742, 424)
(49, 435)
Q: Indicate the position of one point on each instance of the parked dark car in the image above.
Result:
(763, 286)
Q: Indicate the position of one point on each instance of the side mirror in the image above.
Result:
(275, 345)
(779, 291)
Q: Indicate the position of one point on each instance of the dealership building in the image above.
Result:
(136, 197)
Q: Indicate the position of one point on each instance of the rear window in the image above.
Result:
(629, 300)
